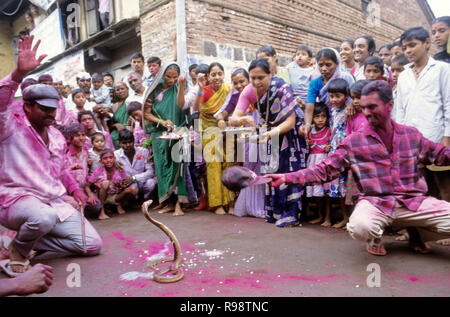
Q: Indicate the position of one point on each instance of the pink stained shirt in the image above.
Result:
(384, 178)
(100, 175)
(358, 123)
(72, 163)
(248, 97)
(27, 166)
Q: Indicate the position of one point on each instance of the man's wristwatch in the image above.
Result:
(134, 179)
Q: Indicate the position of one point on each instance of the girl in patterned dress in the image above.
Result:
(338, 90)
(319, 146)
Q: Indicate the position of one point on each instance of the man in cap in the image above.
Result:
(33, 181)
(47, 79)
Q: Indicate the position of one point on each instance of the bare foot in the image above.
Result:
(14, 255)
(341, 224)
(403, 237)
(445, 242)
(316, 221)
(220, 211)
(415, 242)
(120, 210)
(231, 210)
(327, 223)
(103, 215)
(166, 210)
(178, 211)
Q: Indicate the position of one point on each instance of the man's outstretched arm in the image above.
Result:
(324, 172)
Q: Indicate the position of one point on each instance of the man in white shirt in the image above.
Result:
(423, 101)
(137, 164)
(138, 89)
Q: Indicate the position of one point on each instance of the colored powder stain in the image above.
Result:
(413, 279)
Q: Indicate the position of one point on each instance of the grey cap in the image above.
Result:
(44, 95)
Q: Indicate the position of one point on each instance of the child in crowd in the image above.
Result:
(441, 34)
(76, 160)
(319, 146)
(108, 181)
(396, 49)
(134, 110)
(101, 95)
(356, 123)
(374, 68)
(240, 79)
(398, 66)
(81, 104)
(98, 145)
(108, 79)
(338, 91)
(300, 73)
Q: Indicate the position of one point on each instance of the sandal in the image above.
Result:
(5, 265)
(376, 248)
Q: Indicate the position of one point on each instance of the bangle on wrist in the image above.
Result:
(220, 119)
(199, 93)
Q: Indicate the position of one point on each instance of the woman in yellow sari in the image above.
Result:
(211, 98)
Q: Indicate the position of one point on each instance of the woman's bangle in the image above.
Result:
(220, 119)
(200, 93)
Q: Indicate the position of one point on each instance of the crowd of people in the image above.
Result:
(365, 130)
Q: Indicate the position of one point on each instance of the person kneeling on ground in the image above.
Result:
(136, 161)
(33, 180)
(384, 159)
(109, 182)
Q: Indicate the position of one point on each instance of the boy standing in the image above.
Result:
(100, 94)
(423, 101)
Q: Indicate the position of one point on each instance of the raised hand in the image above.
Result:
(182, 80)
(27, 60)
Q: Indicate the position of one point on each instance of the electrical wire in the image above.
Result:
(15, 11)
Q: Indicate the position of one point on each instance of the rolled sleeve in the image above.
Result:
(324, 172)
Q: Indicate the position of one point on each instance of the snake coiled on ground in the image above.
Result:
(174, 273)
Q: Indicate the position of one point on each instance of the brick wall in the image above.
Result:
(284, 24)
(158, 28)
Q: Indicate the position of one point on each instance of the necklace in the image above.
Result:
(266, 122)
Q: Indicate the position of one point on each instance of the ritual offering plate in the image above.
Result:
(238, 130)
(171, 136)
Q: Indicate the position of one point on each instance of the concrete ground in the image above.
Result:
(231, 256)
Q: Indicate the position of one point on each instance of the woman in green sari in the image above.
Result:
(165, 114)
(120, 114)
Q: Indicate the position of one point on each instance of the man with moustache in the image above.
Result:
(384, 159)
(33, 180)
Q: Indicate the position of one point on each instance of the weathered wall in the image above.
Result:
(158, 28)
(7, 58)
(218, 29)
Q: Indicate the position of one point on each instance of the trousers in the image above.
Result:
(432, 220)
(39, 228)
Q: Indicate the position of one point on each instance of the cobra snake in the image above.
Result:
(174, 273)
